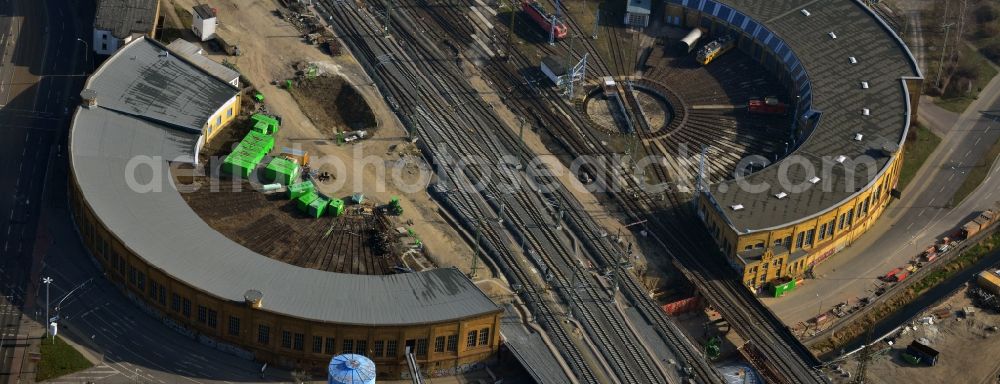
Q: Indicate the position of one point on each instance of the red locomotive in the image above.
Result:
(767, 106)
(542, 18)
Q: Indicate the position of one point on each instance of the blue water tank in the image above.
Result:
(351, 369)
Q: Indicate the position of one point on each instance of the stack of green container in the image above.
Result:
(318, 207)
(305, 200)
(298, 189)
(281, 170)
(337, 207)
(264, 124)
(248, 154)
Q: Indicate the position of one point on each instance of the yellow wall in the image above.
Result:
(856, 220)
(213, 127)
(119, 264)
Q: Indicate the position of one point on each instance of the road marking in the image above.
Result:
(977, 142)
(942, 188)
(908, 226)
(921, 212)
(949, 178)
(932, 200)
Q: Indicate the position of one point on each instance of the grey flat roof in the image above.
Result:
(125, 17)
(555, 65)
(192, 53)
(639, 6)
(204, 11)
(883, 62)
(144, 79)
(160, 227)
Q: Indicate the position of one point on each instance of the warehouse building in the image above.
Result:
(118, 22)
(845, 148)
(147, 109)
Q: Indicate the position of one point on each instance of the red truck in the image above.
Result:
(767, 106)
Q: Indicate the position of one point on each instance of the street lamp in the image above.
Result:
(86, 52)
(47, 281)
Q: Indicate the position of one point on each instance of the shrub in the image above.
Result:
(987, 30)
(992, 52)
(985, 13)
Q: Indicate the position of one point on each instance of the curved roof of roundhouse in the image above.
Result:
(130, 125)
(883, 61)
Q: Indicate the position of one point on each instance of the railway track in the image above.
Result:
(414, 98)
(787, 360)
(397, 87)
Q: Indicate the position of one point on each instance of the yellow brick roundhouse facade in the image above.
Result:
(856, 88)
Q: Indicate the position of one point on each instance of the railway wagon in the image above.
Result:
(543, 19)
(714, 49)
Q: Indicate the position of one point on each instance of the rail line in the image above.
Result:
(785, 355)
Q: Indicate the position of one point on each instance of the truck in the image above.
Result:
(767, 106)
(981, 222)
(924, 352)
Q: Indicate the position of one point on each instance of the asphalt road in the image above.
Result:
(26, 137)
(924, 214)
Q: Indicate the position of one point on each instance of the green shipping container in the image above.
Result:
(336, 207)
(271, 124)
(281, 170)
(259, 140)
(305, 200)
(318, 207)
(262, 127)
(238, 166)
(298, 189)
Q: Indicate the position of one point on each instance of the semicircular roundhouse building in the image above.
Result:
(856, 88)
(149, 106)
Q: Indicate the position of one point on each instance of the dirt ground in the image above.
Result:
(270, 48)
(968, 350)
(332, 104)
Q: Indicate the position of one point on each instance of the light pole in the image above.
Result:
(86, 52)
(47, 281)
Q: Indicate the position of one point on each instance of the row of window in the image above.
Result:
(289, 340)
(218, 121)
(826, 230)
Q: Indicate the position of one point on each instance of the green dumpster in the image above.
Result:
(781, 288)
(304, 201)
(336, 207)
(281, 170)
(318, 207)
(237, 165)
(298, 189)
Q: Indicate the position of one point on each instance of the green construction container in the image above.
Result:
(318, 207)
(305, 200)
(271, 123)
(262, 127)
(260, 139)
(336, 207)
(781, 289)
(281, 170)
(237, 165)
(298, 189)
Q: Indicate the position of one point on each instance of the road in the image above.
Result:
(43, 68)
(27, 134)
(924, 214)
